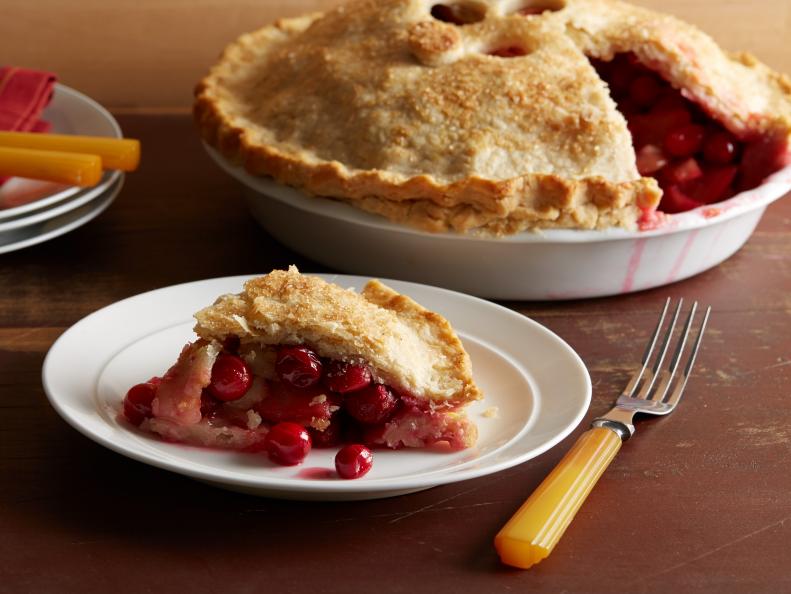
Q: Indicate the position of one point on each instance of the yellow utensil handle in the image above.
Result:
(67, 168)
(535, 529)
(116, 153)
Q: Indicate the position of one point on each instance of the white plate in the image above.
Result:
(69, 112)
(62, 207)
(21, 238)
(553, 264)
(539, 385)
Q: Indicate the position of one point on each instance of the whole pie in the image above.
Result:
(373, 368)
(495, 117)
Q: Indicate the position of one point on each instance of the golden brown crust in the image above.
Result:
(407, 346)
(378, 104)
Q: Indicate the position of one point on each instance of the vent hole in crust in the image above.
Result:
(459, 13)
(508, 51)
(537, 7)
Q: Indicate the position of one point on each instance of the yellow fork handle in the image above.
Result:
(535, 529)
(116, 153)
(66, 168)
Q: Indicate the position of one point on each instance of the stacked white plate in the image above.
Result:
(33, 211)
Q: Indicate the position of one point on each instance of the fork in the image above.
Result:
(534, 530)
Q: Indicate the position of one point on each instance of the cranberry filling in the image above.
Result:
(693, 157)
(284, 402)
(306, 402)
(331, 436)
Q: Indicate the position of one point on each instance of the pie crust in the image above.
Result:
(382, 105)
(407, 347)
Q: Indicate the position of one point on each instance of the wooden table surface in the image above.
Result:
(700, 502)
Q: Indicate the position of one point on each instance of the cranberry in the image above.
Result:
(720, 148)
(345, 377)
(298, 366)
(137, 402)
(684, 141)
(715, 185)
(761, 158)
(682, 173)
(644, 90)
(650, 159)
(353, 461)
(230, 377)
(675, 201)
(372, 405)
(653, 127)
(287, 443)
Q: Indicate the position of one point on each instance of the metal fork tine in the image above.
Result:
(682, 381)
(667, 376)
(649, 383)
(638, 375)
(682, 342)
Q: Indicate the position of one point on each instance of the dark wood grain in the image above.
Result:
(697, 503)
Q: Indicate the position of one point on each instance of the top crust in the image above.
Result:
(381, 105)
(407, 346)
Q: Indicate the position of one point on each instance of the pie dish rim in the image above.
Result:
(775, 186)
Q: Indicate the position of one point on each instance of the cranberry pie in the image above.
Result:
(295, 352)
(496, 116)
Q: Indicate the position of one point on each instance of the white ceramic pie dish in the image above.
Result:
(553, 264)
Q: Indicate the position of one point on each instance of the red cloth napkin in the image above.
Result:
(23, 96)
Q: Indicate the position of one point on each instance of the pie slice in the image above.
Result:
(494, 117)
(373, 367)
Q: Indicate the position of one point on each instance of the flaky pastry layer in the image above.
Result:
(407, 346)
